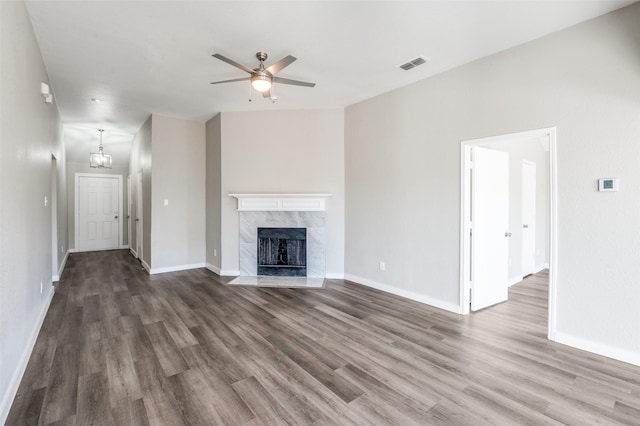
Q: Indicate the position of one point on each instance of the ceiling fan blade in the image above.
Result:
(278, 66)
(234, 63)
(294, 82)
(232, 80)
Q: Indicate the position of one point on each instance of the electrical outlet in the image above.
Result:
(41, 287)
(215, 253)
(62, 249)
(383, 267)
(45, 201)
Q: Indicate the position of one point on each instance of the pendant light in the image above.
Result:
(99, 159)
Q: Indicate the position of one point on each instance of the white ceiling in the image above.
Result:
(143, 57)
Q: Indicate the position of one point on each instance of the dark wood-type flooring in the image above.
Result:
(120, 347)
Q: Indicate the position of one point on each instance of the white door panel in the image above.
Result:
(528, 217)
(138, 219)
(490, 224)
(98, 225)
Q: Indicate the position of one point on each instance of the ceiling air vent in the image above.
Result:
(414, 63)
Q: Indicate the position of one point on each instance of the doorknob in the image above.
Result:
(525, 226)
(115, 217)
(507, 234)
(137, 220)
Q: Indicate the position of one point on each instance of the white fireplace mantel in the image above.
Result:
(281, 202)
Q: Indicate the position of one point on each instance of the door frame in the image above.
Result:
(465, 258)
(77, 201)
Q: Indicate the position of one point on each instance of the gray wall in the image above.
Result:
(178, 234)
(30, 132)
(533, 150)
(72, 169)
(283, 152)
(403, 172)
(213, 189)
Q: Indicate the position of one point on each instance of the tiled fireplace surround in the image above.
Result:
(282, 211)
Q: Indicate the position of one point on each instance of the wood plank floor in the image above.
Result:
(119, 347)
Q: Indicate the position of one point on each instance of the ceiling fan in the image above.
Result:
(262, 78)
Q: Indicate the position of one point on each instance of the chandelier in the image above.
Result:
(99, 159)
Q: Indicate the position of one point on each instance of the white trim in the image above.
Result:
(213, 269)
(541, 267)
(229, 273)
(553, 216)
(56, 278)
(145, 266)
(515, 280)
(451, 307)
(88, 250)
(124, 246)
(281, 202)
(76, 221)
(16, 378)
(133, 252)
(623, 355)
(337, 276)
(176, 268)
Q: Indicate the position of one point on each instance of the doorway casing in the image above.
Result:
(465, 188)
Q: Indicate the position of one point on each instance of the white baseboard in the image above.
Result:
(176, 268)
(630, 357)
(56, 278)
(124, 246)
(16, 378)
(213, 268)
(229, 273)
(405, 293)
(514, 280)
(133, 252)
(145, 266)
(73, 250)
(331, 276)
(541, 267)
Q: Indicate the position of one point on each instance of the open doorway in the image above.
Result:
(498, 247)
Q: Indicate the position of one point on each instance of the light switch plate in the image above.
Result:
(607, 184)
(166, 202)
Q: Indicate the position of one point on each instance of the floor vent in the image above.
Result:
(414, 63)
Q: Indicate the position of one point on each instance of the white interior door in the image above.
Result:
(98, 213)
(490, 225)
(138, 218)
(54, 218)
(528, 217)
(129, 210)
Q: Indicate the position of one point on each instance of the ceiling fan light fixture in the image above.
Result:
(261, 82)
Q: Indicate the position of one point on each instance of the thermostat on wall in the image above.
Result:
(607, 184)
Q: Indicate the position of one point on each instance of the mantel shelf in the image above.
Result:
(305, 202)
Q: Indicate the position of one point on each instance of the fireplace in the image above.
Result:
(305, 212)
(282, 252)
